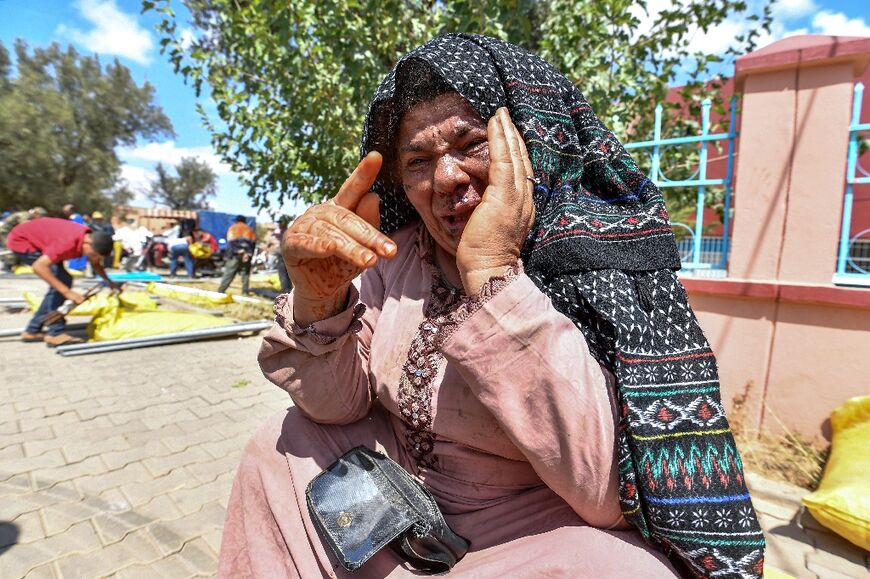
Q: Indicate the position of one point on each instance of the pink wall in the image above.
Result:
(795, 359)
(782, 332)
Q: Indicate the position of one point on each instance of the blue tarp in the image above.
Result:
(135, 276)
(218, 223)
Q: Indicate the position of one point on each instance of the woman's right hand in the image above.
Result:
(333, 242)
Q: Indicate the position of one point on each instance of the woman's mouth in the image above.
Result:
(455, 223)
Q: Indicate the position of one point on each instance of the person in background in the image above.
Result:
(98, 222)
(241, 240)
(179, 246)
(133, 240)
(17, 217)
(8, 259)
(283, 224)
(72, 213)
(45, 244)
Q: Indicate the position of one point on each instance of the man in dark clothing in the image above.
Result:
(98, 221)
(45, 244)
(241, 240)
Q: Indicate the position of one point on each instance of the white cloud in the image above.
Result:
(169, 154)
(838, 24)
(114, 32)
(138, 181)
(793, 9)
(186, 37)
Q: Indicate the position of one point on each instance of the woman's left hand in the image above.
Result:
(497, 229)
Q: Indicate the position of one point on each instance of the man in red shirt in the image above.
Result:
(45, 244)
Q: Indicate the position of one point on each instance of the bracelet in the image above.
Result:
(294, 329)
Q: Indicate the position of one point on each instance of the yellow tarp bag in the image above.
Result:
(772, 573)
(26, 269)
(116, 323)
(200, 250)
(138, 301)
(190, 296)
(842, 501)
(274, 281)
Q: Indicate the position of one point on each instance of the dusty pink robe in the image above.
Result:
(512, 430)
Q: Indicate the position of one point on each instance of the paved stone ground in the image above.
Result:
(120, 464)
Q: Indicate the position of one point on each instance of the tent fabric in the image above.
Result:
(114, 322)
(134, 301)
(190, 296)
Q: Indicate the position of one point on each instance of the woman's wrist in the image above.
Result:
(307, 310)
(473, 280)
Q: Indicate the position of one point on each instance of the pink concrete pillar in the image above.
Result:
(792, 160)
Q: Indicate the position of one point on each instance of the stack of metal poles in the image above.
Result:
(162, 339)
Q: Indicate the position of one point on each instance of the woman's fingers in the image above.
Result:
(501, 170)
(345, 235)
(323, 241)
(524, 165)
(358, 229)
(360, 182)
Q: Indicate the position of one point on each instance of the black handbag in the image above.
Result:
(364, 501)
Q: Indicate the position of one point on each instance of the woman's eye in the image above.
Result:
(477, 147)
(416, 162)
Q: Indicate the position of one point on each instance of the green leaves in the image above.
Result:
(61, 117)
(292, 80)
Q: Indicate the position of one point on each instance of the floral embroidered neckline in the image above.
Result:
(446, 308)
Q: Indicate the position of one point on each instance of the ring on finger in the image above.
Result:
(533, 179)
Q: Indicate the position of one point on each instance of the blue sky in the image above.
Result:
(115, 28)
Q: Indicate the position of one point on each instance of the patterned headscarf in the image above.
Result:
(603, 251)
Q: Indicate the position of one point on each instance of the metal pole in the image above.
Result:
(12, 301)
(657, 136)
(729, 180)
(175, 337)
(851, 162)
(702, 175)
(101, 347)
(188, 333)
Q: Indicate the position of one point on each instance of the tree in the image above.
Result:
(292, 80)
(190, 188)
(61, 117)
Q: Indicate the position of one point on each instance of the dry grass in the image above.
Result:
(786, 457)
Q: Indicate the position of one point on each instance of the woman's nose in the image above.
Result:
(449, 174)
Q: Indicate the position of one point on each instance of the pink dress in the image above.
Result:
(494, 403)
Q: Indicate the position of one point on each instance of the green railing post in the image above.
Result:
(657, 137)
(702, 176)
(851, 162)
(729, 174)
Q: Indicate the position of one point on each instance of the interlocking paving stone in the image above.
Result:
(137, 547)
(24, 529)
(192, 499)
(62, 515)
(20, 559)
(47, 571)
(112, 525)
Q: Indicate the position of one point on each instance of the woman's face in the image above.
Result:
(443, 158)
